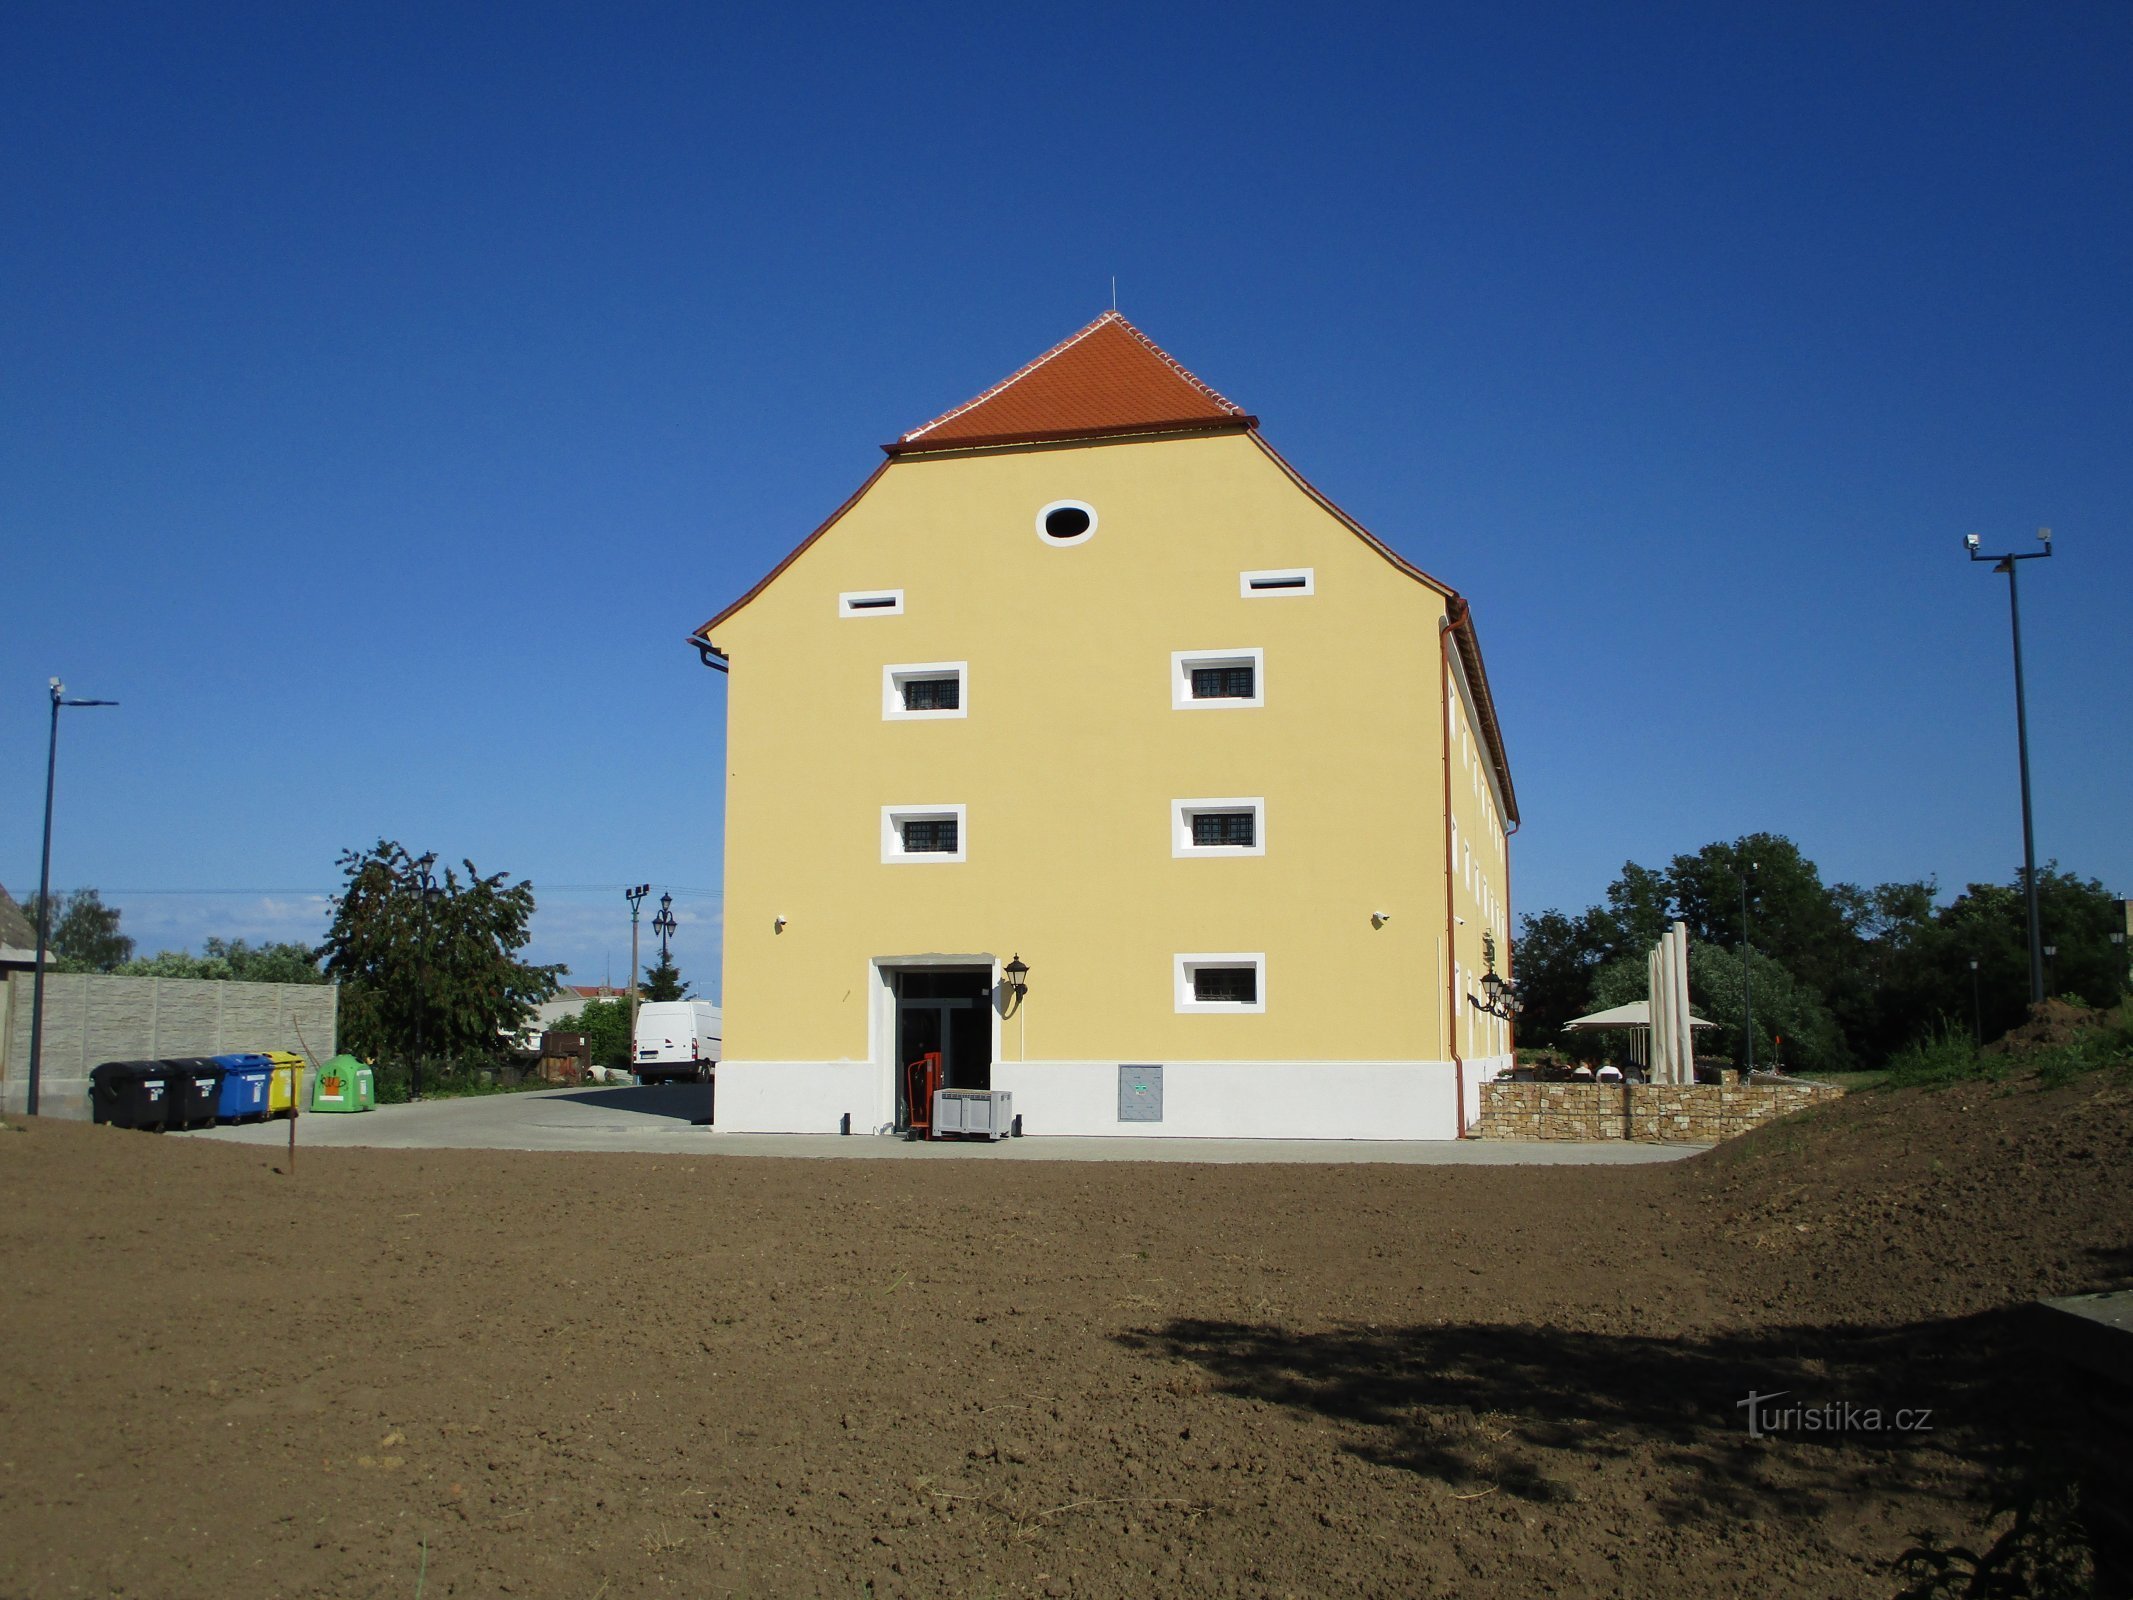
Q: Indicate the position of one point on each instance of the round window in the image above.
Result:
(1066, 522)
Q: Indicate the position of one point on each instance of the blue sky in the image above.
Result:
(385, 392)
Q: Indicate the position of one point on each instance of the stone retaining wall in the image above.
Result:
(1702, 1113)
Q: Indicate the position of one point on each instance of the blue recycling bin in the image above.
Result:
(244, 1086)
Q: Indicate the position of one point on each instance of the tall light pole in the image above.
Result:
(2006, 564)
(1977, 1006)
(44, 893)
(1747, 984)
(635, 897)
(424, 882)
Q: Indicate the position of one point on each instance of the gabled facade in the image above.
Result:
(1086, 673)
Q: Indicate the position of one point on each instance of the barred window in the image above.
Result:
(1222, 683)
(1223, 828)
(928, 835)
(932, 694)
(1226, 985)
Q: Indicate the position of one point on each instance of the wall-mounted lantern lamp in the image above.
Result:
(1499, 996)
(1017, 974)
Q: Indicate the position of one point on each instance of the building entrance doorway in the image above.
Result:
(948, 1009)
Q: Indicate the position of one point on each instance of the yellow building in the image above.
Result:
(1085, 673)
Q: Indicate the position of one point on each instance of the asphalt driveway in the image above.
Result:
(667, 1119)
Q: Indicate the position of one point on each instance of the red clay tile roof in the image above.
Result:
(1110, 378)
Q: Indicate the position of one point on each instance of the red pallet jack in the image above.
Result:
(921, 1078)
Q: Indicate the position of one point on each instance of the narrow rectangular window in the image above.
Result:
(1228, 986)
(871, 603)
(1222, 683)
(923, 691)
(1232, 828)
(927, 835)
(1282, 580)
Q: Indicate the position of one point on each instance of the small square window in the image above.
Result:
(922, 833)
(1216, 679)
(929, 834)
(1223, 828)
(1234, 826)
(1222, 683)
(923, 690)
(1218, 983)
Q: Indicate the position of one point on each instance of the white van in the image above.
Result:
(676, 1039)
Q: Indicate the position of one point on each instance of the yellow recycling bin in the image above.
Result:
(286, 1084)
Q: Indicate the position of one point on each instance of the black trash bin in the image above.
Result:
(131, 1094)
(195, 1086)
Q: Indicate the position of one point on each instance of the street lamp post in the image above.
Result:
(2006, 564)
(1977, 1006)
(44, 894)
(2051, 955)
(1747, 984)
(423, 880)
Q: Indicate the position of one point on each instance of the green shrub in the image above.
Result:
(1949, 1055)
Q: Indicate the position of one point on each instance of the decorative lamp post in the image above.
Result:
(2006, 564)
(663, 924)
(44, 893)
(2051, 954)
(1977, 1006)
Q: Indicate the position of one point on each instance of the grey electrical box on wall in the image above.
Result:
(1140, 1094)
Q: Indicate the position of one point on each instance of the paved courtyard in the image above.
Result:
(668, 1120)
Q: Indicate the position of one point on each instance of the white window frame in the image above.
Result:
(1082, 537)
(1184, 966)
(1183, 663)
(893, 679)
(1245, 581)
(1183, 811)
(893, 818)
(895, 607)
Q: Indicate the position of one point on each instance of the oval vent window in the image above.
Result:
(1066, 521)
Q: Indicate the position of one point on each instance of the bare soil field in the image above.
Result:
(421, 1374)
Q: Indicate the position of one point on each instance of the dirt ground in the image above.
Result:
(592, 1376)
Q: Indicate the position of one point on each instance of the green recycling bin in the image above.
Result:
(344, 1084)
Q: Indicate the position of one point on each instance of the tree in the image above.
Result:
(662, 980)
(232, 960)
(84, 936)
(606, 1026)
(430, 969)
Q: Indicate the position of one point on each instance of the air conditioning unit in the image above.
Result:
(973, 1113)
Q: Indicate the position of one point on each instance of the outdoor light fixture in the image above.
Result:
(664, 924)
(1499, 994)
(1017, 974)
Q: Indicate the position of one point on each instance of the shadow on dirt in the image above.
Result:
(1526, 1408)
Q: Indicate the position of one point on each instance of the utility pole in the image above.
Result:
(635, 897)
(2006, 564)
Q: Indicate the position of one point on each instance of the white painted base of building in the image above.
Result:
(1201, 1099)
